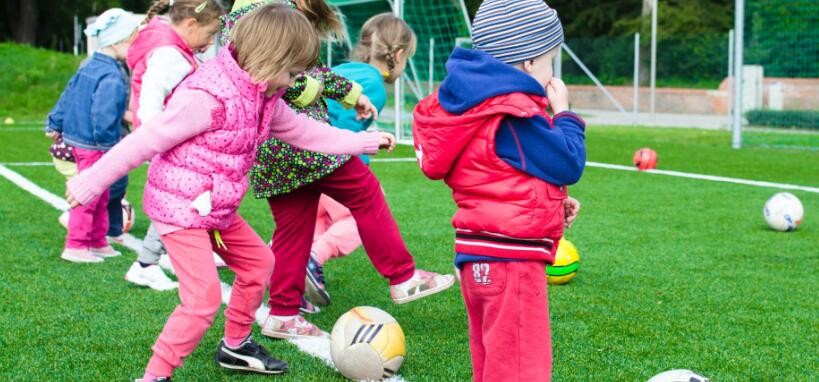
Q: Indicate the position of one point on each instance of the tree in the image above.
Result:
(22, 19)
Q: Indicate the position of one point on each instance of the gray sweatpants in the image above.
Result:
(152, 247)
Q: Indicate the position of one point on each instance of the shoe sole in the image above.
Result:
(80, 260)
(428, 292)
(106, 255)
(287, 336)
(146, 284)
(245, 368)
(314, 293)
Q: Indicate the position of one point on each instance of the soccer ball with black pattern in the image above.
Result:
(367, 344)
(678, 375)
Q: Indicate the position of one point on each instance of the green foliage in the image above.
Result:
(783, 37)
(32, 80)
(806, 119)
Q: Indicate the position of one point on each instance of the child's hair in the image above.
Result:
(323, 18)
(381, 36)
(272, 39)
(204, 11)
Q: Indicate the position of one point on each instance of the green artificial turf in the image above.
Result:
(675, 273)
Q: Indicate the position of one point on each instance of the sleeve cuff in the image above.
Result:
(571, 115)
(352, 97)
(310, 92)
(81, 189)
(371, 141)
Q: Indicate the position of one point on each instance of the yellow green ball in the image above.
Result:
(567, 262)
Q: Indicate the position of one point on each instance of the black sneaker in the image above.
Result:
(250, 356)
(314, 287)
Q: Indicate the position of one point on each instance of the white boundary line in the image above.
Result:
(678, 174)
(26, 164)
(317, 347)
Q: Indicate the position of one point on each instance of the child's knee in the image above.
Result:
(207, 303)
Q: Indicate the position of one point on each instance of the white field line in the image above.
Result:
(317, 347)
(27, 164)
(678, 174)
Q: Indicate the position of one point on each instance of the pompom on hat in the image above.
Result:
(113, 26)
(514, 31)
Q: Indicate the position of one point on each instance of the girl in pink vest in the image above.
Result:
(203, 145)
(160, 58)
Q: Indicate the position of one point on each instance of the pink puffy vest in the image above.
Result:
(217, 160)
(157, 33)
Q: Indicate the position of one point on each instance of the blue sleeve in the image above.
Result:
(54, 120)
(108, 105)
(555, 154)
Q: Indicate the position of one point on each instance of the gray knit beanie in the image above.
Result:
(514, 31)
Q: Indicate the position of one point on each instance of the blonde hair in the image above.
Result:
(323, 18)
(381, 37)
(273, 39)
(205, 12)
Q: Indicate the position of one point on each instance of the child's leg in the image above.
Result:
(152, 247)
(340, 236)
(200, 294)
(354, 186)
(509, 334)
(252, 260)
(116, 193)
(294, 214)
(82, 219)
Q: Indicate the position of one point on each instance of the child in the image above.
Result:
(487, 134)
(293, 186)
(203, 145)
(88, 117)
(385, 44)
(161, 56)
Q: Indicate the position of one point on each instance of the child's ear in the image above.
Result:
(189, 23)
(528, 66)
(399, 54)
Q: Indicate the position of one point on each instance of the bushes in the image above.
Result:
(804, 119)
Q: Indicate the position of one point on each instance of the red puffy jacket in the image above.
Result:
(502, 212)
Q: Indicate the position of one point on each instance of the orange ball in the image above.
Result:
(645, 159)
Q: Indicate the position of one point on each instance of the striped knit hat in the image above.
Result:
(516, 30)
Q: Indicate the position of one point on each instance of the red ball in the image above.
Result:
(645, 159)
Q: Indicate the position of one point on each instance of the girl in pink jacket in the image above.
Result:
(203, 145)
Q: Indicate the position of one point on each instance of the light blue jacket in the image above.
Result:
(372, 83)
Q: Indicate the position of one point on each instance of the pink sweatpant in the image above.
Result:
(336, 234)
(88, 224)
(191, 253)
(508, 310)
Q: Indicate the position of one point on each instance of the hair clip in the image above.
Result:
(201, 7)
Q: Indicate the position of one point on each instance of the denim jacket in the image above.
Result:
(90, 110)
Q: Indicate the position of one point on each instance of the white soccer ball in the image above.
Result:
(678, 375)
(783, 211)
(367, 344)
(128, 216)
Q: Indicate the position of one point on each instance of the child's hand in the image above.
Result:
(558, 95)
(364, 109)
(128, 117)
(72, 201)
(387, 141)
(52, 134)
(570, 208)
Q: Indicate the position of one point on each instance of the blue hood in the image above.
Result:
(474, 76)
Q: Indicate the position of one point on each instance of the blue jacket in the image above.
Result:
(555, 154)
(372, 84)
(90, 110)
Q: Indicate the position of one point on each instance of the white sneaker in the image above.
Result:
(165, 263)
(151, 276)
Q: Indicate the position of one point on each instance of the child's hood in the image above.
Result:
(477, 89)
(157, 33)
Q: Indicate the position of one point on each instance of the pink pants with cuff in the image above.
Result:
(191, 253)
(336, 234)
(88, 224)
(508, 310)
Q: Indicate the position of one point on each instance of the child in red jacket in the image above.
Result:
(487, 134)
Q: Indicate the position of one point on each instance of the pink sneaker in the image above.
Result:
(297, 327)
(106, 251)
(422, 284)
(75, 255)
